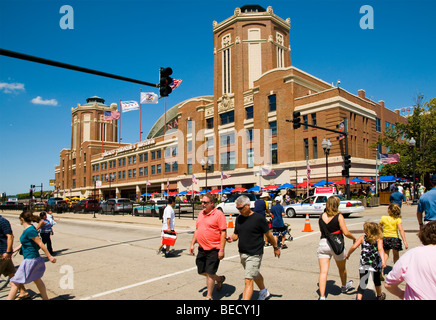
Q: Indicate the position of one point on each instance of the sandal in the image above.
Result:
(26, 296)
(382, 296)
(219, 284)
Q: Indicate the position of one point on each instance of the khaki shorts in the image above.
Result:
(6, 267)
(326, 252)
(251, 265)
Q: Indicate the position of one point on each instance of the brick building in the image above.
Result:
(240, 129)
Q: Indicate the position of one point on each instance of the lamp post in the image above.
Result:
(412, 142)
(110, 177)
(206, 165)
(326, 145)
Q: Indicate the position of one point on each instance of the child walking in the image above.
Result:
(372, 258)
(392, 225)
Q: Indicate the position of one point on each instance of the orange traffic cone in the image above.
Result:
(307, 227)
(230, 224)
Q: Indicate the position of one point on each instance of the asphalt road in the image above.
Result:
(114, 258)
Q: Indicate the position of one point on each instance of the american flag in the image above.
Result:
(111, 115)
(224, 175)
(194, 180)
(148, 183)
(175, 83)
(386, 158)
(308, 171)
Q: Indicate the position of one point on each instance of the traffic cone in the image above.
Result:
(230, 224)
(307, 227)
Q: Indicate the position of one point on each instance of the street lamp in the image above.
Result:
(110, 177)
(206, 166)
(326, 145)
(412, 142)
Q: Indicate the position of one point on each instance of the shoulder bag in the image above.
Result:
(335, 239)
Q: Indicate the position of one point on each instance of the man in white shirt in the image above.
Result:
(168, 222)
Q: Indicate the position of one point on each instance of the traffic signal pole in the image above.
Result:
(27, 57)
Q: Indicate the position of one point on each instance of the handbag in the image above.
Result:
(335, 239)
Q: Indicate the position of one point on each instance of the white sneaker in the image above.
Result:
(263, 294)
(348, 286)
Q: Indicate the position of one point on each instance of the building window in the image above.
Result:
(175, 166)
(249, 135)
(189, 126)
(189, 146)
(226, 71)
(227, 117)
(209, 123)
(314, 119)
(189, 166)
(167, 167)
(153, 169)
(315, 147)
(306, 148)
(158, 154)
(273, 128)
(227, 160)
(153, 155)
(305, 121)
(250, 158)
(141, 172)
(227, 139)
(272, 102)
(249, 112)
(378, 124)
(145, 171)
(158, 168)
(274, 156)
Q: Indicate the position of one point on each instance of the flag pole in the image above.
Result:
(119, 128)
(140, 115)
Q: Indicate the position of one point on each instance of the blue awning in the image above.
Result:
(387, 179)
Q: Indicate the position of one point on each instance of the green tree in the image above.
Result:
(422, 127)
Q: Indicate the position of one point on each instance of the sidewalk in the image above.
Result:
(185, 223)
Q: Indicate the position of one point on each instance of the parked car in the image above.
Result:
(86, 206)
(60, 206)
(153, 205)
(52, 201)
(315, 205)
(229, 206)
(12, 205)
(116, 205)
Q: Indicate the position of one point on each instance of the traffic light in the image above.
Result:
(296, 119)
(165, 81)
(347, 166)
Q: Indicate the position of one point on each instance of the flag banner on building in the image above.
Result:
(168, 183)
(389, 158)
(224, 176)
(129, 106)
(341, 127)
(148, 183)
(149, 97)
(267, 172)
(194, 180)
(308, 171)
(175, 83)
(111, 115)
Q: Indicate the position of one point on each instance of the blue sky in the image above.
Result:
(392, 62)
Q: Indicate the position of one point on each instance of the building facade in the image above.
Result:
(239, 130)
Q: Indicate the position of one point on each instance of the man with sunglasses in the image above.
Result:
(250, 230)
(210, 234)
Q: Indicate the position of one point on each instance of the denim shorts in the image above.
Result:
(251, 264)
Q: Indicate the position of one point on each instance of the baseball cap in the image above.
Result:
(433, 178)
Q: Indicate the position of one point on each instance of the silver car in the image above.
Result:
(116, 205)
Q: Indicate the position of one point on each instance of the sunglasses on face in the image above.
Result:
(205, 202)
(240, 208)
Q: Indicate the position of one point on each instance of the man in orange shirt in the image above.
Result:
(210, 234)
